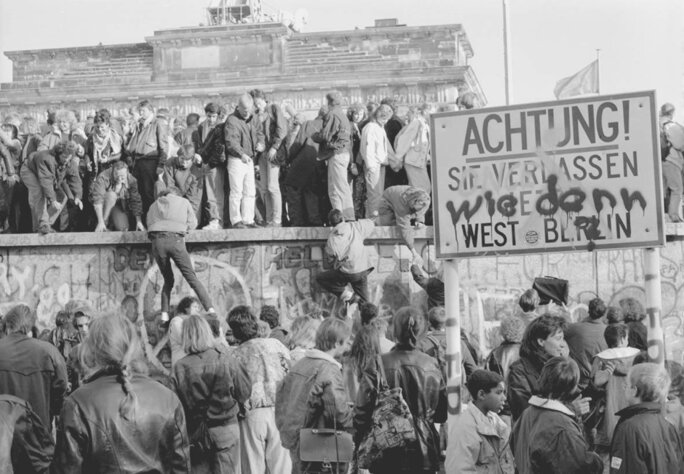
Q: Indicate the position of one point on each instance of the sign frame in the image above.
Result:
(659, 235)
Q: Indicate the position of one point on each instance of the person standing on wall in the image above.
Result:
(212, 148)
(147, 150)
(244, 139)
(169, 219)
(672, 154)
(274, 127)
(334, 144)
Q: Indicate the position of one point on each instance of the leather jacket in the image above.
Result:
(92, 436)
(25, 443)
(424, 391)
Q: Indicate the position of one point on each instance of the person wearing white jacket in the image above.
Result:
(412, 146)
(375, 150)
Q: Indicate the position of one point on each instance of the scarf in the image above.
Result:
(100, 145)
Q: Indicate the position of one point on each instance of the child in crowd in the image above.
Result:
(644, 441)
(609, 371)
(478, 438)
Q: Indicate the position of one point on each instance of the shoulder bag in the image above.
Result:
(326, 445)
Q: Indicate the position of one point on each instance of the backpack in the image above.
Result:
(392, 424)
(440, 354)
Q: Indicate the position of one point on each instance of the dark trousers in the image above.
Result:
(145, 171)
(168, 246)
(334, 281)
(302, 207)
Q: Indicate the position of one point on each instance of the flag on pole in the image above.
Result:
(583, 82)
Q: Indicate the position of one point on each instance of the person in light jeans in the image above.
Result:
(267, 361)
(334, 141)
(376, 150)
(244, 139)
(275, 128)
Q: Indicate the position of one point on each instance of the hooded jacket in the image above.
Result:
(548, 438)
(478, 443)
(345, 245)
(171, 213)
(242, 135)
(645, 442)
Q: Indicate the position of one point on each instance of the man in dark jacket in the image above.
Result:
(302, 200)
(212, 149)
(190, 134)
(244, 140)
(52, 178)
(116, 200)
(25, 443)
(334, 141)
(585, 340)
(30, 369)
(644, 441)
(184, 172)
(148, 149)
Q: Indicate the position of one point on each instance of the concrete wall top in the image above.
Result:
(254, 236)
(284, 234)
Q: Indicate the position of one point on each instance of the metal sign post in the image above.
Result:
(453, 336)
(656, 342)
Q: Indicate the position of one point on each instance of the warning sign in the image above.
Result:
(577, 174)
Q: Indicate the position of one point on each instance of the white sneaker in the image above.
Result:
(213, 225)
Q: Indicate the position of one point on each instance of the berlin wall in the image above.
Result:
(115, 273)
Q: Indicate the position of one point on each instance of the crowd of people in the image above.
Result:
(257, 165)
(339, 395)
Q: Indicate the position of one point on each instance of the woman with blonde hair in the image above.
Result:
(63, 130)
(119, 417)
(302, 336)
(212, 387)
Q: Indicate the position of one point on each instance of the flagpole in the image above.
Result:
(598, 71)
(507, 57)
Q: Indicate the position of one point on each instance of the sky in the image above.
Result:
(641, 42)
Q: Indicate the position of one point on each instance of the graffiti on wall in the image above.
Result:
(124, 279)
